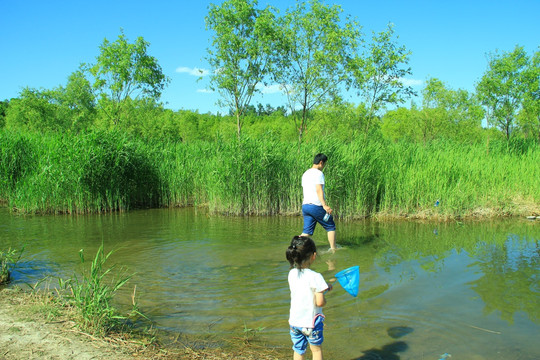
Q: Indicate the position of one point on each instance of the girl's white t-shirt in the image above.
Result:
(303, 285)
(311, 178)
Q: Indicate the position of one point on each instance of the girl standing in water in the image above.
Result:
(307, 298)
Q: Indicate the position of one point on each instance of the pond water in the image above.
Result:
(468, 289)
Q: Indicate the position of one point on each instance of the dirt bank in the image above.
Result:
(33, 327)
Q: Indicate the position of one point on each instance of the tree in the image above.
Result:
(3, 109)
(242, 52)
(502, 88)
(35, 110)
(530, 116)
(378, 74)
(77, 101)
(125, 71)
(403, 123)
(69, 108)
(457, 113)
(313, 57)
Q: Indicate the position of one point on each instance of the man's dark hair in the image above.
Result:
(320, 157)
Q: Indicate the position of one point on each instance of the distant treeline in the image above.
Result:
(445, 114)
(461, 123)
(104, 171)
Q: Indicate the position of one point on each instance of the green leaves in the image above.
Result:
(454, 114)
(8, 259)
(125, 71)
(312, 57)
(503, 87)
(93, 292)
(529, 117)
(378, 72)
(242, 51)
(311, 51)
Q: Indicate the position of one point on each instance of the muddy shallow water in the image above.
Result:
(468, 289)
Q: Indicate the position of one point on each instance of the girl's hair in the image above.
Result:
(300, 250)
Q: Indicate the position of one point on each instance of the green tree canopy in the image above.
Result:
(34, 110)
(529, 119)
(502, 88)
(123, 71)
(242, 53)
(69, 108)
(3, 109)
(378, 73)
(312, 63)
(458, 114)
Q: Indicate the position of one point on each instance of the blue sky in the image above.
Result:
(44, 41)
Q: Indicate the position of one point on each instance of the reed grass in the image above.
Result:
(95, 172)
(17, 160)
(8, 260)
(92, 293)
(110, 171)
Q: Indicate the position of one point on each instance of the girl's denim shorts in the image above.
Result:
(302, 336)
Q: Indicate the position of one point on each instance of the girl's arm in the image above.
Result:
(320, 300)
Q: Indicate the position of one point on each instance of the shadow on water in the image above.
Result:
(387, 352)
(396, 332)
(357, 241)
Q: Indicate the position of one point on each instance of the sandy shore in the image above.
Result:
(27, 331)
(32, 327)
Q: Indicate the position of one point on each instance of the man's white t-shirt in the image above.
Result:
(311, 178)
(303, 285)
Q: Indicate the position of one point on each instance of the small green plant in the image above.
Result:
(93, 292)
(251, 333)
(8, 259)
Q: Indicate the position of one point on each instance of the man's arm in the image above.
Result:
(320, 195)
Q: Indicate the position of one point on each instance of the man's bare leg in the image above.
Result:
(332, 239)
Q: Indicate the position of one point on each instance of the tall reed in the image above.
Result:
(93, 172)
(109, 171)
(93, 292)
(18, 159)
(464, 178)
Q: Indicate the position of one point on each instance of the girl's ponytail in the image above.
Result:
(300, 250)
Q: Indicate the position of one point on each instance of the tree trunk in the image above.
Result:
(238, 123)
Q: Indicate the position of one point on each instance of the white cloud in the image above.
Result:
(193, 71)
(270, 89)
(204, 91)
(411, 82)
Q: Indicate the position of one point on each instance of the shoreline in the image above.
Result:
(529, 211)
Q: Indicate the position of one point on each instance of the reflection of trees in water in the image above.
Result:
(511, 278)
(508, 265)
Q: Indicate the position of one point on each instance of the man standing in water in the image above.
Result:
(314, 207)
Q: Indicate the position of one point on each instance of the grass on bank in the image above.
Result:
(110, 171)
(92, 294)
(8, 260)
